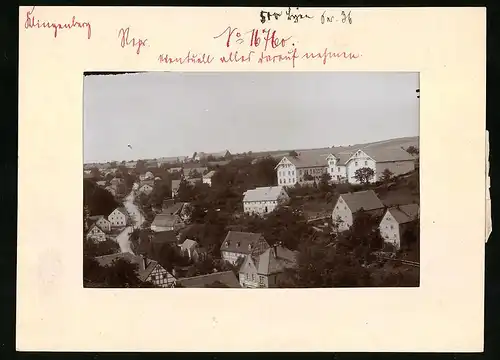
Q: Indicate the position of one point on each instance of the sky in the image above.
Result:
(163, 114)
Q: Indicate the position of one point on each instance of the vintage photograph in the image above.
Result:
(251, 180)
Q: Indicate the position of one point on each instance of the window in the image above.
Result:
(288, 172)
(392, 227)
(253, 277)
(247, 276)
(356, 163)
(366, 162)
(338, 169)
(261, 280)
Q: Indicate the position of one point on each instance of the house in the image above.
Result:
(111, 189)
(223, 279)
(395, 221)
(199, 156)
(101, 183)
(194, 172)
(102, 222)
(119, 217)
(264, 270)
(165, 237)
(396, 160)
(131, 164)
(149, 175)
(238, 245)
(341, 163)
(147, 270)
(192, 250)
(96, 234)
(146, 189)
(349, 204)
(174, 169)
(207, 178)
(302, 167)
(263, 200)
(116, 181)
(151, 164)
(166, 222)
(177, 183)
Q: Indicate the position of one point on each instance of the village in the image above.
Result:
(256, 220)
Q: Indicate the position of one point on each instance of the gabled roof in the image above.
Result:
(122, 210)
(101, 183)
(383, 154)
(209, 174)
(173, 209)
(224, 277)
(166, 220)
(238, 242)
(275, 260)
(94, 225)
(405, 213)
(149, 182)
(366, 200)
(164, 237)
(268, 193)
(97, 217)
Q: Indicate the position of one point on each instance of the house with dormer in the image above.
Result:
(96, 234)
(265, 269)
(119, 217)
(237, 245)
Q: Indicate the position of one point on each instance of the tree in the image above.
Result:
(308, 177)
(412, 150)
(293, 153)
(102, 248)
(387, 175)
(96, 174)
(364, 175)
(98, 200)
(324, 183)
(120, 274)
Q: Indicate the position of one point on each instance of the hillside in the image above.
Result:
(404, 189)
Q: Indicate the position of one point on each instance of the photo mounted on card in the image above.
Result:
(333, 203)
(303, 151)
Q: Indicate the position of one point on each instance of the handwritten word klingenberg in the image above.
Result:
(32, 22)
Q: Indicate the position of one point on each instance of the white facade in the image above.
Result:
(390, 230)
(96, 234)
(265, 206)
(104, 224)
(336, 171)
(161, 277)
(342, 216)
(357, 161)
(231, 257)
(117, 218)
(286, 172)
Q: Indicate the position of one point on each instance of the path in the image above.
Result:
(123, 239)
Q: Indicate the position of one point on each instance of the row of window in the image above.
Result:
(283, 173)
(290, 181)
(261, 278)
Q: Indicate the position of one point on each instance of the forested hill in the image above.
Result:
(98, 200)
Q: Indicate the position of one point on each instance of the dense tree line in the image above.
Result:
(98, 200)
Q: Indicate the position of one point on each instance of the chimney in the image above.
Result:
(275, 250)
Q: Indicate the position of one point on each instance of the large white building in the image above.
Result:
(394, 222)
(342, 163)
(263, 200)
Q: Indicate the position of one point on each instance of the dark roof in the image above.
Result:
(366, 200)
(227, 278)
(275, 260)
(174, 209)
(166, 220)
(164, 237)
(405, 213)
(238, 242)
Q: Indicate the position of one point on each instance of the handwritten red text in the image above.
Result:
(268, 37)
(32, 22)
(123, 35)
(325, 55)
(190, 58)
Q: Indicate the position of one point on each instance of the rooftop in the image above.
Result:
(226, 278)
(241, 242)
(268, 193)
(366, 200)
(405, 213)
